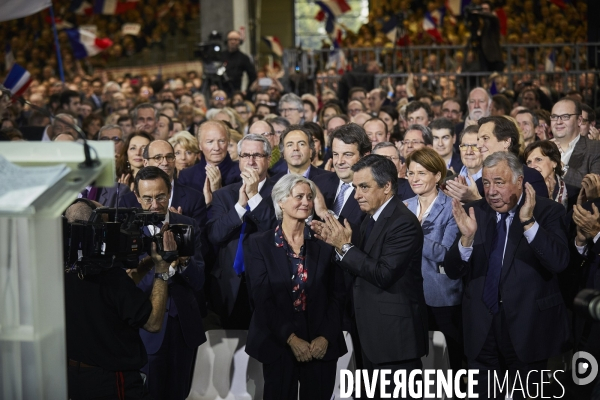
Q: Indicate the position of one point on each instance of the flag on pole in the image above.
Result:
(58, 22)
(274, 44)
(395, 31)
(86, 44)
(81, 7)
(114, 7)
(430, 28)
(330, 11)
(550, 61)
(17, 80)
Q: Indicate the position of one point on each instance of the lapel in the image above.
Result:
(487, 228)
(411, 204)
(312, 262)
(178, 193)
(379, 224)
(579, 153)
(279, 267)
(103, 195)
(438, 206)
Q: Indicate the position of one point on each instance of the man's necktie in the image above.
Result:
(339, 200)
(370, 225)
(492, 279)
(238, 262)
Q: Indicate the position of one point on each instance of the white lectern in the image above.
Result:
(32, 318)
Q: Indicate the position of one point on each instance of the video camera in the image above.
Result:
(587, 302)
(211, 54)
(113, 234)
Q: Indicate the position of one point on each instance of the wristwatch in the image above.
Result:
(164, 276)
(345, 248)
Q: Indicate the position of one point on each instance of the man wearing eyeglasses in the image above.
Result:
(266, 129)
(463, 187)
(113, 133)
(171, 351)
(579, 155)
(238, 211)
(219, 99)
(182, 199)
(389, 151)
(291, 108)
(415, 138)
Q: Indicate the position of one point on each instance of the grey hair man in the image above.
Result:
(291, 108)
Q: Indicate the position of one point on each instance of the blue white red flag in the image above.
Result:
(430, 28)
(17, 80)
(274, 44)
(330, 11)
(114, 7)
(86, 44)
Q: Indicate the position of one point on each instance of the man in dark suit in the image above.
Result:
(297, 146)
(580, 155)
(389, 303)
(215, 166)
(184, 200)
(498, 134)
(171, 352)
(512, 246)
(444, 139)
(238, 211)
(389, 150)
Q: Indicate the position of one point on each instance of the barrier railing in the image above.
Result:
(518, 57)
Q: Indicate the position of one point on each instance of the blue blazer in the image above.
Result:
(183, 289)
(191, 202)
(440, 232)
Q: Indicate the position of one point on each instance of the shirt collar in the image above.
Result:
(574, 141)
(305, 173)
(380, 209)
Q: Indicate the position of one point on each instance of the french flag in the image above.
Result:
(330, 10)
(86, 44)
(430, 28)
(17, 80)
(114, 7)
(274, 44)
(81, 7)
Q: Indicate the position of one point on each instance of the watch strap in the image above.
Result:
(163, 276)
(529, 221)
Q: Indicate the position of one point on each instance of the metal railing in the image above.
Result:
(518, 57)
(452, 84)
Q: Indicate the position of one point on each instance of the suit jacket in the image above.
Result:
(390, 310)
(440, 232)
(328, 184)
(183, 289)
(456, 163)
(404, 189)
(191, 202)
(312, 173)
(33, 133)
(530, 175)
(584, 160)
(195, 176)
(535, 311)
(278, 168)
(224, 227)
(108, 196)
(273, 318)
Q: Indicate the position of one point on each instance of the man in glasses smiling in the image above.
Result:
(579, 155)
(182, 199)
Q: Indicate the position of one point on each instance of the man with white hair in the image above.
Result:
(479, 103)
(291, 108)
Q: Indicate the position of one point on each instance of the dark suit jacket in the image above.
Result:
(328, 184)
(33, 133)
(108, 196)
(389, 304)
(273, 318)
(224, 227)
(456, 163)
(183, 289)
(312, 174)
(191, 202)
(530, 175)
(584, 160)
(535, 311)
(195, 176)
(280, 167)
(404, 189)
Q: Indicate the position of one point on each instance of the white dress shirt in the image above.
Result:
(565, 155)
(252, 203)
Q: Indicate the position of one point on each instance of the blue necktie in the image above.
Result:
(339, 200)
(492, 279)
(238, 263)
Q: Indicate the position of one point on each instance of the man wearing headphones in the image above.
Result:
(236, 63)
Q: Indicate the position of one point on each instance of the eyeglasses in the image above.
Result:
(564, 117)
(465, 147)
(159, 199)
(412, 142)
(218, 98)
(254, 155)
(115, 139)
(287, 110)
(585, 120)
(158, 158)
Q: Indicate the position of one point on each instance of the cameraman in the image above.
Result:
(103, 314)
(485, 34)
(171, 352)
(236, 63)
